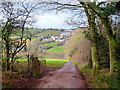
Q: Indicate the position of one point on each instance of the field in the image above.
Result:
(33, 31)
(51, 44)
(58, 49)
(50, 62)
(48, 32)
(55, 62)
(37, 32)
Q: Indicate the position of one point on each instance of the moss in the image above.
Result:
(112, 52)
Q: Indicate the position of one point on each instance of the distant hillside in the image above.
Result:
(48, 32)
(37, 32)
(77, 48)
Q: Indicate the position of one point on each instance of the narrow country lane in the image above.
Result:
(68, 76)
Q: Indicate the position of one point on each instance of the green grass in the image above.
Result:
(17, 33)
(22, 60)
(105, 80)
(33, 37)
(51, 44)
(35, 30)
(102, 79)
(50, 62)
(58, 49)
(48, 32)
(56, 62)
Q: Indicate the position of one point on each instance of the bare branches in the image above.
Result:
(78, 19)
(17, 15)
(74, 7)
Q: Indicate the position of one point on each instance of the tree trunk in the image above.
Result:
(12, 63)
(7, 56)
(28, 57)
(94, 58)
(36, 67)
(90, 61)
(111, 41)
(94, 49)
(93, 36)
(112, 52)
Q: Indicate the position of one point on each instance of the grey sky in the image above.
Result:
(52, 20)
(58, 20)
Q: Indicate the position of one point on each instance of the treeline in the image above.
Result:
(100, 25)
(103, 33)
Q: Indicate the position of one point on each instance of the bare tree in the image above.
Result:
(16, 16)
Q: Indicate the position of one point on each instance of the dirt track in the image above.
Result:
(67, 77)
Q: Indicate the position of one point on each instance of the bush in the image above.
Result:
(106, 81)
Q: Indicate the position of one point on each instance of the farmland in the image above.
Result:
(48, 32)
(58, 49)
(51, 44)
(34, 34)
(37, 32)
(49, 62)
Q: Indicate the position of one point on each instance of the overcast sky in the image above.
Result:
(52, 20)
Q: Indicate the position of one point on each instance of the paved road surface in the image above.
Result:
(66, 77)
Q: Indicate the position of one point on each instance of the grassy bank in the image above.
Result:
(102, 79)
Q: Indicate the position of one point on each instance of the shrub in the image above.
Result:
(106, 81)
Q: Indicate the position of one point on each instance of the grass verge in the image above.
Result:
(102, 79)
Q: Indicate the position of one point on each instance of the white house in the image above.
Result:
(59, 40)
(47, 39)
(54, 37)
(65, 34)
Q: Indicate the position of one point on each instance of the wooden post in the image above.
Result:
(36, 67)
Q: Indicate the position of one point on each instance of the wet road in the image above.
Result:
(68, 76)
